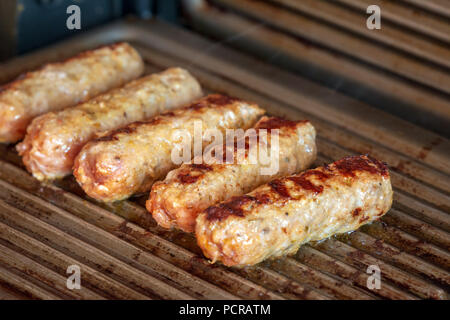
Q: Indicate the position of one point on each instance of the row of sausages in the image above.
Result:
(94, 117)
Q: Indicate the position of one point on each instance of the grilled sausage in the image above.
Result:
(131, 159)
(192, 188)
(278, 217)
(64, 84)
(54, 139)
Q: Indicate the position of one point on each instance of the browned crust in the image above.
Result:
(208, 102)
(348, 166)
(277, 123)
(310, 181)
(304, 182)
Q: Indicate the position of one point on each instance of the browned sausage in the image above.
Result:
(277, 218)
(54, 139)
(192, 188)
(64, 84)
(130, 160)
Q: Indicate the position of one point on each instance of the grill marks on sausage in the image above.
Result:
(235, 207)
(212, 100)
(201, 166)
(132, 127)
(312, 181)
(263, 198)
(113, 135)
(192, 173)
(265, 123)
(278, 123)
(279, 187)
(350, 165)
(305, 183)
(356, 212)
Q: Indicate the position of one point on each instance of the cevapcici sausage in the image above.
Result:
(131, 159)
(192, 188)
(278, 217)
(54, 139)
(64, 84)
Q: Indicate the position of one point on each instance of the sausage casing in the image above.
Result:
(192, 188)
(131, 159)
(278, 217)
(64, 84)
(54, 139)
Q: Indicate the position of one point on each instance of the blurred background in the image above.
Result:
(402, 68)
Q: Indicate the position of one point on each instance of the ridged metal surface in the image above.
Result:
(123, 254)
(402, 68)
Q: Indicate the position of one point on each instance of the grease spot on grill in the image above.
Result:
(217, 100)
(263, 198)
(356, 212)
(303, 181)
(114, 135)
(279, 187)
(426, 149)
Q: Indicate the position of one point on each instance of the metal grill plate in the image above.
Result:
(124, 254)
